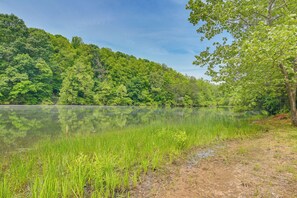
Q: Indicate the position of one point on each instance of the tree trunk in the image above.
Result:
(292, 91)
(294, 118)
(292, 100)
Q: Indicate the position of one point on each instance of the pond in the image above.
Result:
(22, 126)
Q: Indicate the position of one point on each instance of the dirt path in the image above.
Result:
(263, 166)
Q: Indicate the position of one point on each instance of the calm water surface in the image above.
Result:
(22, 126)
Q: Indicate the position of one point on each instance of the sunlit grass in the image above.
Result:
(109, 164)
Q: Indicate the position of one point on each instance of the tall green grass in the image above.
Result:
(109, 164)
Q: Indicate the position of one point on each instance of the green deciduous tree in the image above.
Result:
(122, 96)
(26, 81)
(76, 41)
(261, 56)
(77, 86)
(11, 28)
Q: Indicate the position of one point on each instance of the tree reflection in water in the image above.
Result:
(22, 126)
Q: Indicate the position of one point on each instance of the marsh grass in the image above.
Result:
(109, 164)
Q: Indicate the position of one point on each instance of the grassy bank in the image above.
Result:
(263, 165)
(109, 164)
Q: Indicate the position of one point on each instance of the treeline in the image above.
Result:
(246, 98)
(40, 68)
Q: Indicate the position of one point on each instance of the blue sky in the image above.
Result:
(157, 30)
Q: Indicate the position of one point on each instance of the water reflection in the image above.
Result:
(21, 126)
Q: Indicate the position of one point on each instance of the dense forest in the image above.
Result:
(37, 67)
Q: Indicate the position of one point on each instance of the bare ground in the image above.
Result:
(261, 166)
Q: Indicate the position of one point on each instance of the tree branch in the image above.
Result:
(269, 9)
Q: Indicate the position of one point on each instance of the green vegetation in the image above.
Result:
(22, 125)
(109, 164)
(40, 68)
(255, 69)
(258, 65)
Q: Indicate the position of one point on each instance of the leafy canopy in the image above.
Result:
(260, 59)
(39, 68)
